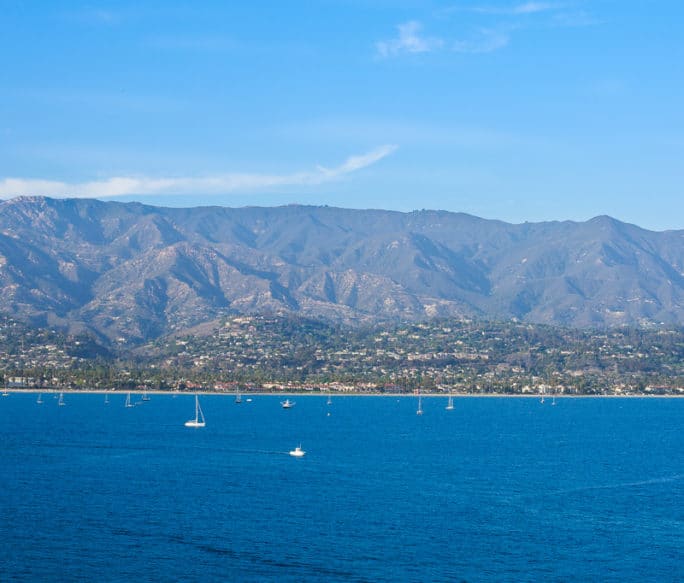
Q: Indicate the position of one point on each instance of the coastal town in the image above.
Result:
(283, 353)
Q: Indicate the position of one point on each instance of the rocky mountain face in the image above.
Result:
(131, 272)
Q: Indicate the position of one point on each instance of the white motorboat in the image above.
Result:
(298, 451)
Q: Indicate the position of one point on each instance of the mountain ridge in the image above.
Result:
(130, 272)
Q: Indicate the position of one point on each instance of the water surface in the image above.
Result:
(497, 489)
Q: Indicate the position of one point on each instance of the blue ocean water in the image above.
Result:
(499, 489)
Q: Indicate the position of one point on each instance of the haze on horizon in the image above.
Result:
(511, 110)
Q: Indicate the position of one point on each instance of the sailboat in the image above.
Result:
(542, 396)
(39, 400)
(198, 421)
(420, 405)
(145, 396)
(238, 397)
(5, 392)
(287, 404)
(128, 401)
(450, 403)
(329, 402)
(106, 399)
(553, 399)
(61, 402)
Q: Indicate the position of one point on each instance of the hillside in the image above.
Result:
(130, 272)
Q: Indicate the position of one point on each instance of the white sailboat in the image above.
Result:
(238, 397)
(329, 402)
(198, 421)
(128, 403)
(287, 404)
(145, 396)
(61, 402)
(450, 403)
(106, 399)
(39, 400)
(420, 405)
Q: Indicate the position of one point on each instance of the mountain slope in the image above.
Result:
(131, 272)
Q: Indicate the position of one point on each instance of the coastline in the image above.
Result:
(337, 395)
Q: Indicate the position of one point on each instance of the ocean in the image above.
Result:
(498, 489)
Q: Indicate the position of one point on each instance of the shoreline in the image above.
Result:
(247, 394)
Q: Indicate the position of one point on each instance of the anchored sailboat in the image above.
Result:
(198, 421)
(61, 402)
(128, 401)
(420, 405)
(39, 400)
(450, 403)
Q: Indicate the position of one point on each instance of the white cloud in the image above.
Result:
(408, 41)
(486, 41)
(218, 184)
(517, 9)
(533, 7)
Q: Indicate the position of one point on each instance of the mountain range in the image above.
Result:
(129, 272)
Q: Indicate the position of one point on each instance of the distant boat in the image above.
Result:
(248, 400)
(128, 401)
(298, 451)
(39, 400)
(420, 405)
(329, 402)
(106, 399)
(287, 404)
(198, 421)
(238, 398)
(5, 392)
(553, 400)
(61, 402)
(145, 396)
(450, 403)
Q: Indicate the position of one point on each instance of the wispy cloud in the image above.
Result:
(485, 41)
(96, 16)
(559, 14)
(519, 9)
(203, 43)
(408, 40)
(218, 184)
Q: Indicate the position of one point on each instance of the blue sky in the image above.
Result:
(512, 110)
